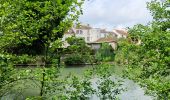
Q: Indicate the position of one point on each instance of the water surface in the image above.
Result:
(134, 91)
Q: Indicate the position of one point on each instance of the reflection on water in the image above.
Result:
(134, 92)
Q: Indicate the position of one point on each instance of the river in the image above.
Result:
(134, 91)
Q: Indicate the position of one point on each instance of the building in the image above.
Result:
(95, 36)
(88, 33)
(104, 34)
(121, 33)
(97, 44)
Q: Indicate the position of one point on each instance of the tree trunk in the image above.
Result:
(44, 73)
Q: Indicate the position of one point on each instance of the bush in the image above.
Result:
(24, 59)
(105, 53)
(78, 52)
(74, 59)
(78, 59)
(147, 62)
(15, 59)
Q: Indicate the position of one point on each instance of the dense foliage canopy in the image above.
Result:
(27, 26)
(78, 52)
(146, 52)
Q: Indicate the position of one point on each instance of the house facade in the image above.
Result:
(97, 44)
(95, 36)
(88, 33)
(121, 33)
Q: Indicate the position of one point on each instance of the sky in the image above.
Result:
(110, 14)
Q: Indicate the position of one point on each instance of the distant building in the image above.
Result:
(104, 33)
(121, 33)
(95, 36)
(97, 44)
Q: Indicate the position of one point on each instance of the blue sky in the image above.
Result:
(115, 13)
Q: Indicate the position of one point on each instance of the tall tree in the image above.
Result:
(28, 25)
(160, 13)
(146, 52)
(33, 26)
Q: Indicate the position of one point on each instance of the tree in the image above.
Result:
(148, 61)
(34, 27)
(160, 13)
(77, 44)
(27, 26)
(78, 51)
(105, 53)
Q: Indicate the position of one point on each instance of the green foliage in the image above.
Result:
(78, 52)
(105, 53)
(69, 87)
(24, 59)
(160, 13)
(5, 70)
(27, 26)
(150, 58)
(100, 76)
(146, 52)
(108, 88)
(74, 59)
(7, 74)
(146, 55)
(77, 45)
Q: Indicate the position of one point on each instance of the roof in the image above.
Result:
(83, 27)
(107, 39)
(104, 31)
(121, 31)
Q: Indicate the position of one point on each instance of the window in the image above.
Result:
(79, 32)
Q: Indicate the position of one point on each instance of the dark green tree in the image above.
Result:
(105, 53)
(27, 26)
(33, 27)
(78, 51)
(77, 44)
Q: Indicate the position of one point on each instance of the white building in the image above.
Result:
(88, 33)
(91, 35)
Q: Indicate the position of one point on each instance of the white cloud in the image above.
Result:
(114, 13)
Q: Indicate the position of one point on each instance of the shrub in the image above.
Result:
(74, 59)
(105, 53)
